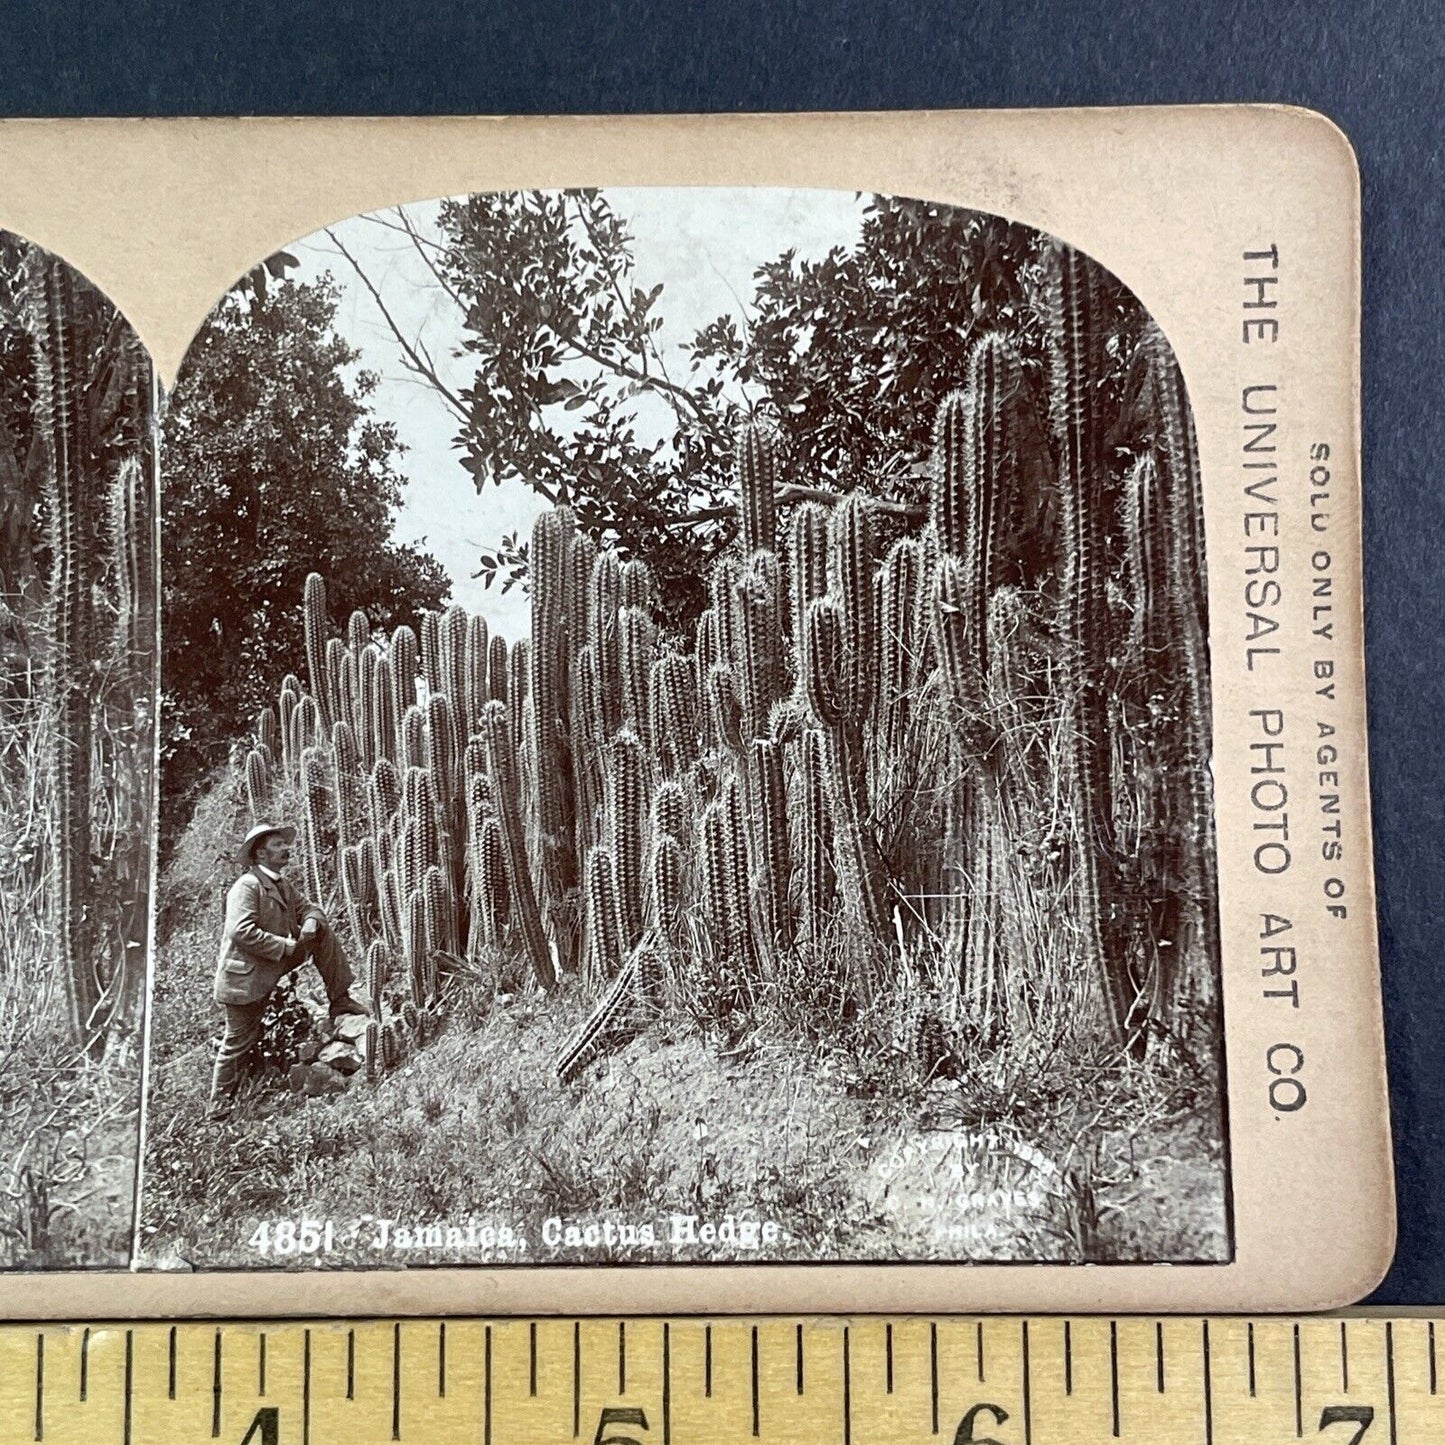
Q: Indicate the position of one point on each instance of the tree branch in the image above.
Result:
(415, 361)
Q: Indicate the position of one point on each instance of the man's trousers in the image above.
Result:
(236, 1057)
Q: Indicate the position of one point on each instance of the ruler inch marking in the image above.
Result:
(129, 1407)
(1068, 1358)
(1028, 1390)
(1431, 1338)
(756, 1402)
(666, 1383)
(1209, 1382)
(351, 1364)
(442, 1359)
(1159, 1356)
(396, 1381)
(798, 1349)
(888, 1359)
(847, 1391)
(261, 1364)
(1299, 1417)
(85, 1363)
(532, 1359)
(216, 1388)
(707, 1361)
(1114, 1375)
(487, 1388)
(1390, 1377)
(576, 1378)
(306, 1387)
(621, 1357)
(40, 1384)
(171, 1365)
(1344, 1359)
(933, 1369)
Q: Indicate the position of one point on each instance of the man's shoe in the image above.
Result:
(340, 1007)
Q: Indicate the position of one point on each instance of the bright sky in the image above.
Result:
(702, 244)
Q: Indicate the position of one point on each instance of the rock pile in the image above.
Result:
(334, 1056)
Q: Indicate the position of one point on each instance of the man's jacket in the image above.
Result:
(261, 914)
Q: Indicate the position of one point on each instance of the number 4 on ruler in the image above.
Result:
(265, 1428)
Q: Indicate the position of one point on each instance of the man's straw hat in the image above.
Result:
(261, 830)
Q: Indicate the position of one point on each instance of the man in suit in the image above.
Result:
(270, 930)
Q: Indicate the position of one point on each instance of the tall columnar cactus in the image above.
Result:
(430, 652)
(478, 668)
(604, 594)
(404, 666)
(443, 757)
(314, 811)
(498, 672)
(415, 945)
(758, 635)
(672, 814)
(492, 888)
(1078, 331)
(1187, 610)
(552, 611)
(386, 720)
(519, 685)
(412, 752)
(637, 639)
(358, 631)
(736, 883)
(452, 660)
(809, 564)
(850, 580)
(607, 944)
(772, 866)
(258, 785)
(502, 771)
(899, 679)
(347, 761)
(815, 843)
(366, 719)
(268, 733)
(832, 695)
(383, 796)
(639, 586)
(674, 714)
(629, 798)
(335, 657)
(305, 727)
(756, 470)
(666, 876)
(314, 615)
(976, 483)
(440, 920)
(725, 714)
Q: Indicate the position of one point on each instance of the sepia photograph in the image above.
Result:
(78, 696)
(686, 737)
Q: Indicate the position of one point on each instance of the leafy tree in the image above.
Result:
(273, 467)
(570, 392)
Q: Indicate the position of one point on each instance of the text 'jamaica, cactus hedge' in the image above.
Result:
(921, 793)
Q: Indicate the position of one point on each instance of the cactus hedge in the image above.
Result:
(981, 741)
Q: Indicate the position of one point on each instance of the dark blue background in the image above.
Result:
(1375, 68)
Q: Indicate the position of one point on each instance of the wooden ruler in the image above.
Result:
(995, 1381)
